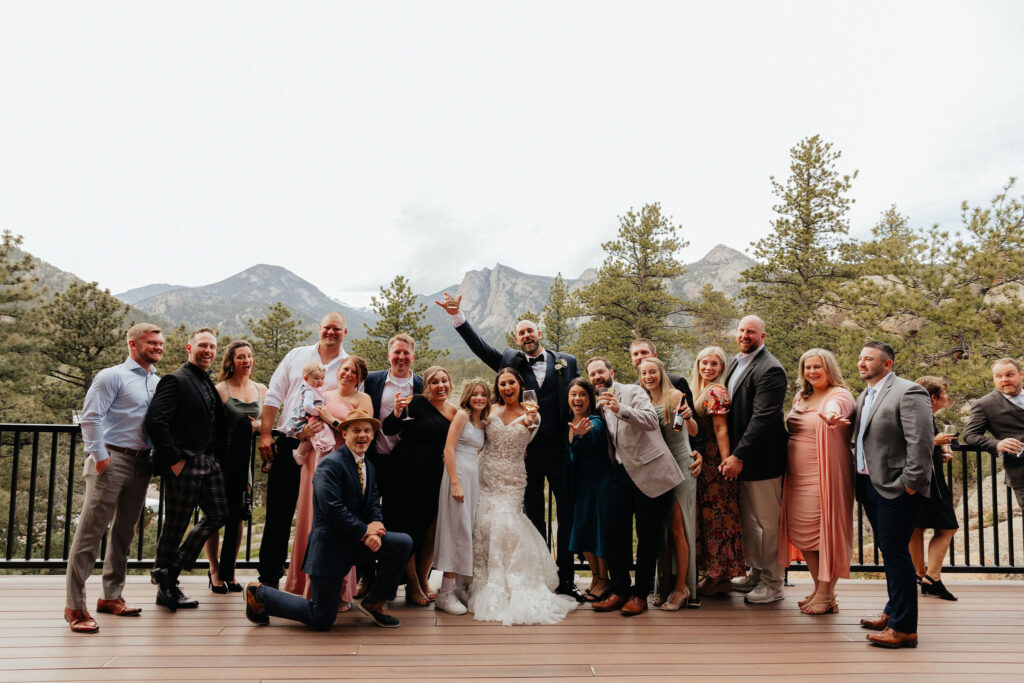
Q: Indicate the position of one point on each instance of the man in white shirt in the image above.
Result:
(279, 404)
(382, 386)
(1001, 414)
(118, 468)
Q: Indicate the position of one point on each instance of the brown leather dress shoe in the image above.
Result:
(634, 606)
(893, 639)
(610, 604)
(81, 621)
(876, 624)
(118, 608)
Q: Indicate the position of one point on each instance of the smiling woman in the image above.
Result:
(415, 467)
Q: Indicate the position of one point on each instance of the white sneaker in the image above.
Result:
(762, 595)
(463, 595)
(447, 602)
(747, 583)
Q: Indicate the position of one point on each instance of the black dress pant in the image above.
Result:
(893, 521)
(622, 502)
(551, 464)
(282, 495)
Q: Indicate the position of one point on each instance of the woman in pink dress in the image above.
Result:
(337, 404)
(817, 496)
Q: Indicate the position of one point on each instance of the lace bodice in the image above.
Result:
(502, 462)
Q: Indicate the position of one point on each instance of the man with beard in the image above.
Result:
(894, 435)
(757, 432)
(117, 473)
(283, 396)
(548, 373)
(185, 422)
(1001, 413)
(641, 482)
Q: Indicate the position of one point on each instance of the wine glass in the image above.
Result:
(405, 407)
(530, 400)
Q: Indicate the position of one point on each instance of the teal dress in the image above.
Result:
(591, 467)
(685, 494)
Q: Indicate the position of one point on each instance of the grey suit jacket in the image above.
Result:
(898, 438)
(995, 414)
(635, 434)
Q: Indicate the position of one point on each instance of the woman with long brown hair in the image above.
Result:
(243, 400)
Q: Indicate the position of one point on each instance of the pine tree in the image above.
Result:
(803, 263)
(630, 298)
(81, 331)
(561, 309)
(19, 381)
(273, 336)
(397, 311)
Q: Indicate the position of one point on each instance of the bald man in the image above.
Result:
(758, 437)
(283, 395)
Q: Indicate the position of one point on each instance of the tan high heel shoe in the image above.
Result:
(819, 608)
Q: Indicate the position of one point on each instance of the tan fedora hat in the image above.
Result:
(359, 415)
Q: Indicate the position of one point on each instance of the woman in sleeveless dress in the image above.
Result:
(457, 500)
(817, 494)
(514, 577)
(337, 404)
(243, 399)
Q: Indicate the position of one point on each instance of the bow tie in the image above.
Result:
(536, 359)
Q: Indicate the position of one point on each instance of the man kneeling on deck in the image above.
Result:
(347, 530)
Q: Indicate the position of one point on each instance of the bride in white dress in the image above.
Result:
(514, 577)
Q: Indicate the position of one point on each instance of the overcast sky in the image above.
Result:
(349, 142)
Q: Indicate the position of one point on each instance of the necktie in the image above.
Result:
(362, 477)
(869, 399)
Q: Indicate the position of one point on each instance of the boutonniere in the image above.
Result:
(560, 365)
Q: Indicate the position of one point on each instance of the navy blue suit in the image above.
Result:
(547, 456)
(341, 513)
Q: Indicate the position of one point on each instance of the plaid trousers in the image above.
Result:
(201, 483)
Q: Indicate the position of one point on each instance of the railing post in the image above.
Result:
(54, 439)
(31, 515)
(11, 531)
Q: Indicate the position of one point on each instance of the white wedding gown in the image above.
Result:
(514, 577)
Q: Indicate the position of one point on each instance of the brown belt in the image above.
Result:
(128, 451)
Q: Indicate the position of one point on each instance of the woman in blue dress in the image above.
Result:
(588, 448)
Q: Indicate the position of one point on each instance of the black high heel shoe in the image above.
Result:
(233, 586)
(219, 590)
(930, 586)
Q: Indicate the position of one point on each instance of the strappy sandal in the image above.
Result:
(670, 606)
(818, 608)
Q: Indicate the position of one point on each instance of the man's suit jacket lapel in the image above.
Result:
(883, 391)
(747, 372)
(353, 473)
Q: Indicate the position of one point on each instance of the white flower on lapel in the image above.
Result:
(560, 365)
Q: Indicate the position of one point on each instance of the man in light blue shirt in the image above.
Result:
(117, 473)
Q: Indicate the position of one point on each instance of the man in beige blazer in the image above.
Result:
(643, 476)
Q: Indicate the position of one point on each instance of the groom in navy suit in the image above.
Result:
(548, 373)
(347, 528)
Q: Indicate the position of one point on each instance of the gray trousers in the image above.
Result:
(760, 510)
(115, 496)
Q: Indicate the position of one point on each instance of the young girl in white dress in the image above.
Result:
(514, 577)
(456, 508)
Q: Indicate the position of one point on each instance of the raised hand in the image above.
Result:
(450, 304)
(833, 419)
(581, 427)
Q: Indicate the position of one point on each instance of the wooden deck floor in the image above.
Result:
(981, 636)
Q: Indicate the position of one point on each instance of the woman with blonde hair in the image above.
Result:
(817, 495)
(416, 466)
(720, 534)
(679, 544)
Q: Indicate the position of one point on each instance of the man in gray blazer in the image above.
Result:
(893, 436)
(1001, 413)
(643, 476)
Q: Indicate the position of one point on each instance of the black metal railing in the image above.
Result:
(40, 527)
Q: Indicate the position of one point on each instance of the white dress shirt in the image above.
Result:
(284, 389)
(392, 387)
(743, 361)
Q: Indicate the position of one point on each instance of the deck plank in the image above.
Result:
(981, 636)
